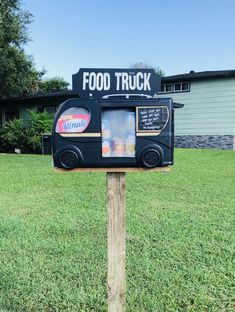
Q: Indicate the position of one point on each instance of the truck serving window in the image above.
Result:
(73, 120)
(118, 133)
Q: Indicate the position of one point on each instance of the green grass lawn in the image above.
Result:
(180, 228)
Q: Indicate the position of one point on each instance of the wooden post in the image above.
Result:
(116, 241)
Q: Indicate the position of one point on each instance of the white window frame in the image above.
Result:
(164, 88)
(173, 87)
(181, 87)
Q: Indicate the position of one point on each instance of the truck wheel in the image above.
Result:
(69, 159)
(151, 158)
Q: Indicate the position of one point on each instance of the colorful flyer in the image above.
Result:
(118, 133)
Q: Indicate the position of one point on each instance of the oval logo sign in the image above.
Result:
(73, 123)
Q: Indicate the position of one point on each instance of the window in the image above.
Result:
(175, 87)
(50, 109)
(166, 87)
(185, 86)
(11, 116)
(118, 133)
(181, 87)
(40, 109)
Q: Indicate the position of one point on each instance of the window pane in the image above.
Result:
(73, 120)
(177, 86)
(169, 87)
(10, 116)
(50, 109)
(118, 133)
(185, 86)
(40, 109)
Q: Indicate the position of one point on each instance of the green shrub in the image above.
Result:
(40, 122)
(15, 135)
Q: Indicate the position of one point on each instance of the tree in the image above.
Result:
(53, 84)
(17, 72)
(139, 65)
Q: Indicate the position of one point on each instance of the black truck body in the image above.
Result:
(113, 133)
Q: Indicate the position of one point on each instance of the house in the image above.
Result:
(206, 121)
(16, 107)
(208, 117)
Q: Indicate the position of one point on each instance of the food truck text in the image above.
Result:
(123, 81)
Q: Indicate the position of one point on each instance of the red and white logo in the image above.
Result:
(73, 123)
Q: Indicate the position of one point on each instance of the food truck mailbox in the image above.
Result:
(113, 133)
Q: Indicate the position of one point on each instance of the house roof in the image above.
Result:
(192, 75)
(40, 95)
(60, 95)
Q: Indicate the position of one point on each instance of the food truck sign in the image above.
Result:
(100, 82)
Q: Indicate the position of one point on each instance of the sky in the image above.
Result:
(176, 35)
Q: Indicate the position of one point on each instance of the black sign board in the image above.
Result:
(100, 82)
(151, 118)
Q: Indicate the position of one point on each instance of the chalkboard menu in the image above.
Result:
(152, 118)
